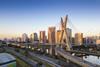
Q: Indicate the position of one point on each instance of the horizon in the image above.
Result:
(29, 16)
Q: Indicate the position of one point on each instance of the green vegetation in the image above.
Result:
(12, 64)
(20, 63)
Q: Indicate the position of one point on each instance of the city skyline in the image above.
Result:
(28, 16)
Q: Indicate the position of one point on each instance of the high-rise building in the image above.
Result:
(42, 37)
(58, 36)
(33, 37)
(69, 35)
(51, 35)
(24, 37)
(78, 38)
(73, 41)
(98, 42)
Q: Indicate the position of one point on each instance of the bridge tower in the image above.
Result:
(64, 37)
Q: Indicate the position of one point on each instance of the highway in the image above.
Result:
(45, 59)
(41, 58)
(66, 55)
(74, 59)
(32, 63)
(82, 52)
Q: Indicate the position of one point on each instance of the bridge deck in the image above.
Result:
(24, 58)
(83, 52)
(74, 59)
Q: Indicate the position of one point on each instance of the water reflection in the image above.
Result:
(92, 59)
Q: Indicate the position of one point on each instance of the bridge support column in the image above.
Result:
(52, 50)
(43, 50)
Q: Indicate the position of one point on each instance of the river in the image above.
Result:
(92, 59)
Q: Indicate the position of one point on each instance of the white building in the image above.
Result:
(24, 37)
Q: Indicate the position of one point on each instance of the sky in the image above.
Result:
(28, 16)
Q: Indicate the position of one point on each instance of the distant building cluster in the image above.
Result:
(92, 40)
(54, 37)
(58, 36)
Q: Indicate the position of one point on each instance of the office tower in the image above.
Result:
(69, 35)
(84, 41)
(98, 42)
(78, 38)
(42, 37)
(46, 39)
(73, 41)
(51, 35)
(33, 37)
(58, 36)
(24, 37)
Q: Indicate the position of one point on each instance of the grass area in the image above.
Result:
(20, 63)
(47, 65)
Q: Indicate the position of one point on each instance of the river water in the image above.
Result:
(92, 59)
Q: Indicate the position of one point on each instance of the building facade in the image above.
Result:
(24, 37)
(69, 34)
(51, 35)
(42, 37)
(98, 42)
(33, 37)
(78, 38)
(58, 36)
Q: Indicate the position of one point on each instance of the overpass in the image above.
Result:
(82, 52)
(30, 62)
(74, 59)
(54, 49)
(44, 59)
(42, 46)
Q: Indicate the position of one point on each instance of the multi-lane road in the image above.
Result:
(41, 58)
